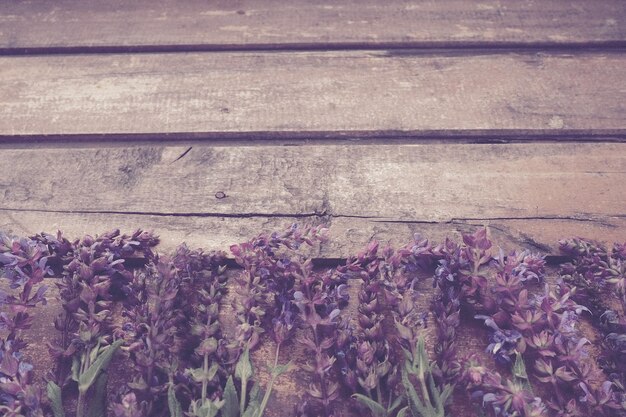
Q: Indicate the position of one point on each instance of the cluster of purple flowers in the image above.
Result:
(499, 398)
(598, 274)
(163, 314)
(320, 296)
(543, 328)
(172, 334)
(23, 262)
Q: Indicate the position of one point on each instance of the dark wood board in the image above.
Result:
(90, 25)
(337, 94)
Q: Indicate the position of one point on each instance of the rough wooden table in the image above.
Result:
(208, 122)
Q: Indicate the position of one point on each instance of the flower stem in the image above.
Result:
(425, 394)
(205, 382)
(270, 385)
(242, 400)
(80, 406)
(320, 373)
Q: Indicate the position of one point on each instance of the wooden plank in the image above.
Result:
(77, 25)
(313, 94)
(529, 192)
(423, 182)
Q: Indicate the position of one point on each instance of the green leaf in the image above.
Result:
(243, 369)
(87, 379)
(254, 405)
(251, 410)
(438, 398)
(443, 398)
(93, 355)
(96, 407)
(407, 355)
(214, 408)
(520, 374)
(415, 403)
(402, 412)
(75, 368)
(396, 403)
(199, 375)
(231, 400)
(278, 370)
(255, 393)
(208, 409)
(212, 371)
(376, 409)
(172, 402)
(423, 363)
(56, 400)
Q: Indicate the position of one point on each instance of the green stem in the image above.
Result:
(422, 382)
(80, 406)
(242, 400)
(205, 382)
(321, 374)
(270, 385)
(379, 393)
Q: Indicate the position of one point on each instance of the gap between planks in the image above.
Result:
(309, 138)
(442, 48)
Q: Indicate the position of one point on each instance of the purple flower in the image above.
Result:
(504, 342)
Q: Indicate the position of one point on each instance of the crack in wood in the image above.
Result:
(182, 155)
(161, 214)
(503, 218)
(325, 213)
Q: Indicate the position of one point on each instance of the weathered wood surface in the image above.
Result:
(424, 182)
(313, 94)
(78, 25)
(213, 196)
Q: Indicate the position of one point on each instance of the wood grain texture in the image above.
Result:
(214, 196)
(144, 24)
(316, 93)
